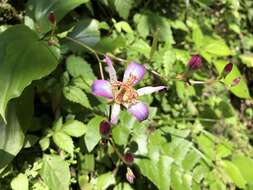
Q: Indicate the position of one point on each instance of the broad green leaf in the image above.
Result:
(76, 95)
(120, 135)
(247, 59)
(78, 67)
(105, 180)
(190, 160)
(92, 135)
(55, 172)
(23, 58)
(241, 89)
(74, 128)
(207, 146)
(157, 171)
(197, 35)
(234, 173)
(215, 46)
(244, 164)
(20, 182)
(44, 143)
(64, 142)
(19, 117)
(87, 32)
(38, 10)
(123, 7)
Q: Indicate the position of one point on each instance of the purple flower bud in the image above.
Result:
(228, 68)
(105, 128)
(195, 62)
(130, 175)
(235, 81)
(128, 158)
(52, 18)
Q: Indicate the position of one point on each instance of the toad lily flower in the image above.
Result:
(122, 93)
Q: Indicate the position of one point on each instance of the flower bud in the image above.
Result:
(235, 81)
(52, 18)
(195, 62)
(130, 175)
(228, 68)
(105, 128)
(128, 158)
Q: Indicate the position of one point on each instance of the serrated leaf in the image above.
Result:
(55, 172)
(157, 171)
(74, 128)
(20, 182)
(78, 67)
(105, 180)
(76, 95)
(17, 70)
(87, 32)
(92, 135)
(39, 10)
(64, 142)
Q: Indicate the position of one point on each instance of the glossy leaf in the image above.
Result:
(86, 31)
(19, 117)
(39, 10)
(23, 58)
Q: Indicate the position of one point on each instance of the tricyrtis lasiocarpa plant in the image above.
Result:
(122, 93)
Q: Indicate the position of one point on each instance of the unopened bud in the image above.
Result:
(235, 81)
(195, 62)
(130, 175)
(128, 158)
(105, 128)
(228, 68)
(52, 17)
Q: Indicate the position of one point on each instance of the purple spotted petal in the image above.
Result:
(111, 70)
(149, 90)
(136, 70)
(102, 88)
(115, 113)
(139, 111)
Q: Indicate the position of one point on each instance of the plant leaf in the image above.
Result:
(74, 128)
(23, 58)
(64, 142)
(55, 172)
(39, 10)
(92, 135)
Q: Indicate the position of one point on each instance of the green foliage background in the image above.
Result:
(198, 136)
